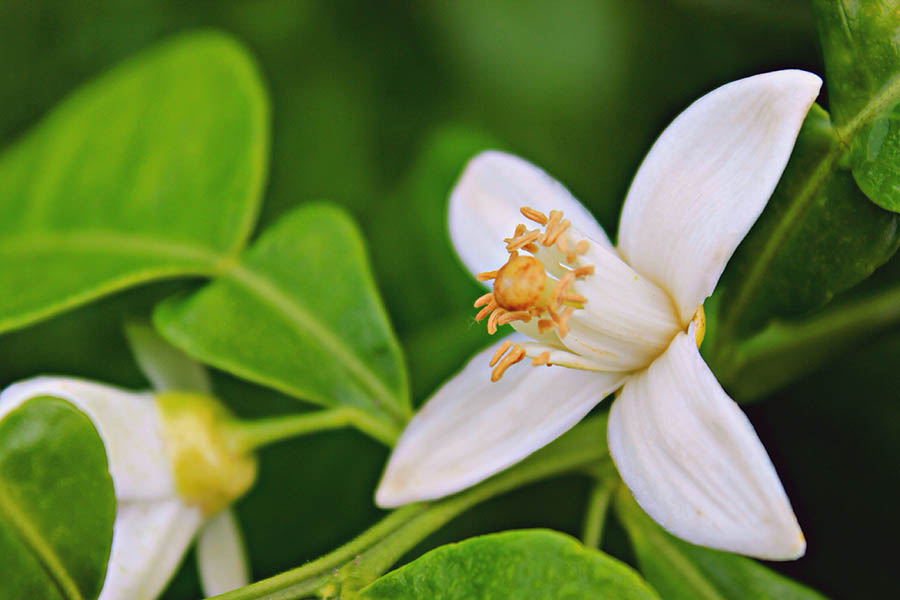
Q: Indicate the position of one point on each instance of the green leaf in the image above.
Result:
(57, 503)
(298, 312)
(516, 564)
(817, 237)
(682, 571)
(862, 60)
(153, 170)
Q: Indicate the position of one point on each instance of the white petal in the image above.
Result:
(473, 428)
(627, 320)
(485, 203)
(707, 178)
(165, 366)
(694, 463)
(149, 541)
(221, 558)
(127, 422)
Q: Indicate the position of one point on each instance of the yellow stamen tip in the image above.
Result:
(699, 321)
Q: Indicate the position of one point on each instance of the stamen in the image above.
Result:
(550, 237)
(492, 321)
(519, 315)
(522, 240)
(554, 219)
(583, 271)
(482, 300)
(500, 352)
(535, 215)
(486, 310)
(521, 292)
(541, 359)
(560, 288)
(515, 355)
(563, 322)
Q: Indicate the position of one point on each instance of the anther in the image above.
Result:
(550, 237)
(560, 288)
(499, 352)
(563, 322)
(492, 321)
(491, 307)
(583, 271)
(514, 356)
(486, 276)
(542, 359)
(535, 215)
(485, 299)
(544, 325)
(519, 315)
(582, 247)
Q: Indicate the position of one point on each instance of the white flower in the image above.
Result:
(164, 494)
(627, 318)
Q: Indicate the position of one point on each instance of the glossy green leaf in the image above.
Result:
(534, 564)
(683, 571)
(57, 503)
(153, 170)
(298, 312)
(817, 237)
(862, 60)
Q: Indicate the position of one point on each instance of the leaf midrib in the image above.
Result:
(888, 96)
(31, 538)
(305, 323)
(211, 264)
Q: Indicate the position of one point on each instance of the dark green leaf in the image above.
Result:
(534, 564)
(57, 503)
(817, 237)
(298, 312)
(153, 170)
(862, 60)
(682, 571)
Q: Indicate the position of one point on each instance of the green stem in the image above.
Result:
(597, 507)
(371, 554)
(251, 435)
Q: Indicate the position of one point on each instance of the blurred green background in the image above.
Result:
(376, 106)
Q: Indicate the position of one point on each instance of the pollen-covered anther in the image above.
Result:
(545, 325)
(542, 359)
(501, 350)
(519, 315)
(492, 320)
(533, 214)
(486, 276)
(515, 355)
(525, 240)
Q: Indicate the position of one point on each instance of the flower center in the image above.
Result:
(210, 471)
(523, 290)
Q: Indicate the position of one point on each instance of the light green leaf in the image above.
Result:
(534, 564)
(299, 312)
(153, 170)
(862, 60)
(57, 503)
(683, 571)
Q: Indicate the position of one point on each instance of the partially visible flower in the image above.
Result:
(627, 318)
(174, 473)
